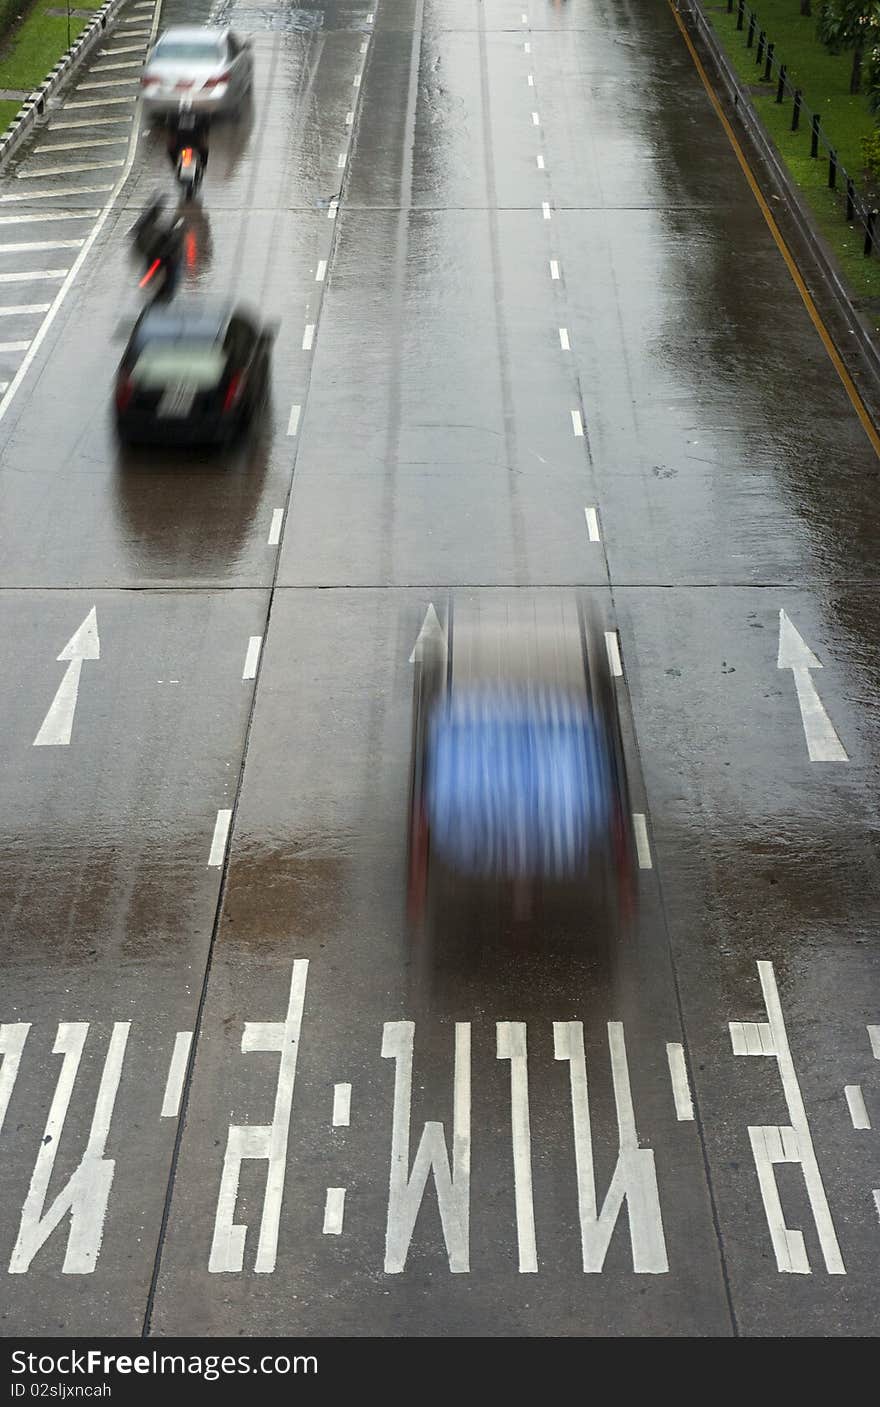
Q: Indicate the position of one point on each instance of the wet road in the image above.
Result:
(543, 347)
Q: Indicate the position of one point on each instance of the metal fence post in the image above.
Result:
(832, 170)
(759, 54)
(869, 232)
(850, 199)
(814, 142)
(796, 111)
(750, 37)
(780, 87)
(740, 13)
(768, 71)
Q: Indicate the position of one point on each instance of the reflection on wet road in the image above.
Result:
(537, 352)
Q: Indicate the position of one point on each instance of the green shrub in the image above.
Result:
(871, 153)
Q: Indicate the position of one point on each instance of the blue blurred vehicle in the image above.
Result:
(518, 776)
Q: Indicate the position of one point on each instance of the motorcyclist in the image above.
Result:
(189, 130)
(159, 241)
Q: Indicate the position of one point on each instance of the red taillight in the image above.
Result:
(233, 392)
(186, 157)
(214, 82)
(150, 272)
(124, 392)
(147, 79)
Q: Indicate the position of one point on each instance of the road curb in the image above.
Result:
(800, 212)
(35, 105)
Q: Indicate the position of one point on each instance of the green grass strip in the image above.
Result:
(824, 80)
(35, 46)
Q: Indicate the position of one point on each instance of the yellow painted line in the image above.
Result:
(815, 316)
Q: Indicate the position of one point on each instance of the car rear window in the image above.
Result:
(177, 50)
(200, 365)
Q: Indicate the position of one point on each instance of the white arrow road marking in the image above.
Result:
(823, 744)
(58, 723)
(432, 632)
(13, 1035)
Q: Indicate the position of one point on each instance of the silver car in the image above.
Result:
(208, 70)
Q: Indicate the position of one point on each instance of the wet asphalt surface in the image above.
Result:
(434, 454)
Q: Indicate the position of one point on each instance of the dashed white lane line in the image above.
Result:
(293, 422)
(525, 19)
(540, 160)
(563, 339)
(32, 275)
(46, 195)
(341, 160)
(341, 1105)
(527, 48)
(30, 246)
(308, 336)
(681, 1091)
(577, 424)
(320, 271)
(643, 849)
(554, 268)
(334, 1211)
(80, 122)
(876, 1196)
(14, 346)
(176, 1073)
(592, 518)
(78, 146)
(370, 17)
(218, 844)
(356, 81)
(14, 308)
(349, 118)
(874, 1038)
(857, 1110)
(364, 47)
(612, 646)
(531, 80)
(536, 121)
(275, 529)
(100, 102)
(67, 170)
(252, 658)
(545, 207)
(42, 216)
(334, 206)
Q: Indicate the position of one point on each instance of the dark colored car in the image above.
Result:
(191, 375)
(518, 779)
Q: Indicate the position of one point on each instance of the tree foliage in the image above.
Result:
(850, 25)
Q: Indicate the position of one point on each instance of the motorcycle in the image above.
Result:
(160, 245)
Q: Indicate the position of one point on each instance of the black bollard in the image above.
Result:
(850, 199)
(869, 232)
(832, 170)
(760, 50)
(750, 37)
(768, 71)
(740, 13)
(814, 141)
(796, 111)
(780, 87)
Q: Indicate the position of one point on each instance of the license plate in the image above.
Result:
(176, 402)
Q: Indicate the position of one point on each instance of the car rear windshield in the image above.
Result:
(196, 364)
(180, 50)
